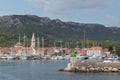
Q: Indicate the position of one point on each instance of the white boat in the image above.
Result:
(60, 57)
(107, 61)
(111, 60)
(7, 57)
(10, 57)
(23, 57)
(67, 57)
(3, 57)
(57, 58)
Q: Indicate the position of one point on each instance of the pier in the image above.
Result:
(93, 67)
(75, 66)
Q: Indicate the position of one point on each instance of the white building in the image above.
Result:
(95, 52)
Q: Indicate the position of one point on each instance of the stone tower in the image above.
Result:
(33, 40)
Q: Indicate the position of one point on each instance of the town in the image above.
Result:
(33, 52)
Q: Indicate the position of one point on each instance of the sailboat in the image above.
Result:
(20, 54)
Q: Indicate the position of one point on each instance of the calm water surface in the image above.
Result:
(46, 70)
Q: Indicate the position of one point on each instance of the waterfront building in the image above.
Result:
(67, 51)
(18, 45)
(80, 51)
(95, 51)
(3, 51)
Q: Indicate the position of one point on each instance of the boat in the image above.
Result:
(111, 60)
(57, 58)
(107, 61)
(7, 57)
(23, 57)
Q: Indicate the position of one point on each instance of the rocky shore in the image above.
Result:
(92, 67)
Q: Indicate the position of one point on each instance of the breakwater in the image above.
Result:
(93, 67)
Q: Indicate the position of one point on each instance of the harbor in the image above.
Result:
(20, 61)
(91, 59)
(59, 40)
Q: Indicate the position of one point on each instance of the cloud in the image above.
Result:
(77, 10)
(114, 20)
(56, 6)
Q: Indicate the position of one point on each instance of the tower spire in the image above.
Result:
(33, 40)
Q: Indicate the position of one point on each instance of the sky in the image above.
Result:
(104, 12)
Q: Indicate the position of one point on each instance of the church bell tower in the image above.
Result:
(33, 40)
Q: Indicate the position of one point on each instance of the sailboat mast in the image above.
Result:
(84, 39)
(43, 45)
(88, 43)
(38, 42)
(61, 44)
(38, 45)
(24, 40)
(19, 37)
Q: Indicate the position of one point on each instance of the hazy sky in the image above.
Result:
(106, 12)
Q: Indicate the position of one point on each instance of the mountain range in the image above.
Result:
(55, 29)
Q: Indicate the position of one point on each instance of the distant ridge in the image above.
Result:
(55, 29)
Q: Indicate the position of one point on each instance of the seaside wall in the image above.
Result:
(98, 64)
(94, 67)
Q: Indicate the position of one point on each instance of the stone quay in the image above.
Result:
(75, 66)
(92, 67)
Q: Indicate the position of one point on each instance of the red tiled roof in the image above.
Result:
(95, 48)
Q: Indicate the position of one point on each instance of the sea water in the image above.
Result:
(46, 70)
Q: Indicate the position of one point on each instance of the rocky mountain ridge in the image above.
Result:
(11, 25)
